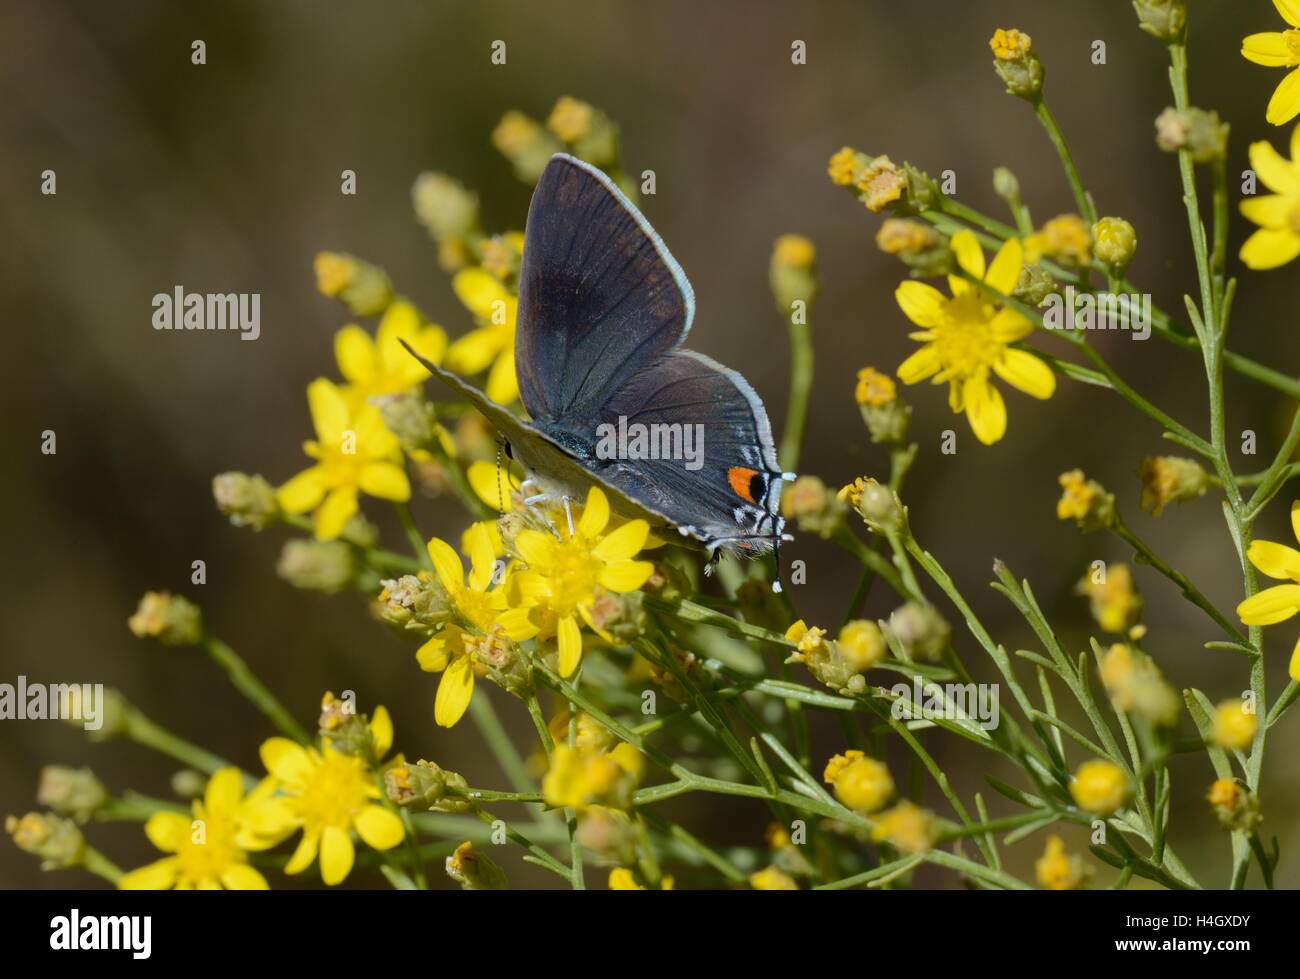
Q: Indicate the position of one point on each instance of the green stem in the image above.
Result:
(801, 379)
(247, 683)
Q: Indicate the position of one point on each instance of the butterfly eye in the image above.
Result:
(509, 452)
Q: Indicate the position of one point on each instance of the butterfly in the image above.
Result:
(603, 310)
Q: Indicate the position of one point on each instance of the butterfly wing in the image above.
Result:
(546, 460)
(726, 491)
(600, 296)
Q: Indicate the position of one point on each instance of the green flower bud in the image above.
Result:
(1006, 186)
(249, 501)
(917, 245)
(473, 871)
(426, 786)
(444, 206)
(171, 619)
(920, 630)
(1170, 479)
(1199, 132)
(1165, 20)
(75, 792)
(525, 144)
(793, 272)
(815, 509)
(410, 418)
(1034, 285)
(316, 565)
(415, 602)
(361, 287)
(877, 504)
(1016, 63)
(188, 784)
(1113, 242)
(58, 842)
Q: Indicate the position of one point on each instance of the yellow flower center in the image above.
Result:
(964, 337)
(573, 574)
(337, 789)
(479, 608)
(207, 850)
(1291, 37)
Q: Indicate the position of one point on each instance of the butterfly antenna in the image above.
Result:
(501, 501)
(776, 554)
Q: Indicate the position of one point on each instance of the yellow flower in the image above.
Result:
(861, 783)
(881, 183)
(481, 601)
(563, 573)
(874, 388)
(570, 119)
(1170, 479)
(772, 879)
(1058, 870)
(1224, 792)
(842, 166)
(379, 366)
(1277, 240)
(1280, 602)
(493, 342)
(862, 644)
(1115, 602)
(1007, 45)
(209, 851)
(622, 879)
(1085, 501)
(579, 778)
(1100, 787)
(1234, 728)
(327, 795)
(354, 454)
(907, 826)
(1065, 238)
(966, 337)
(1279, 49)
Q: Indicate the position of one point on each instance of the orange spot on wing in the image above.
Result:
(740, 479)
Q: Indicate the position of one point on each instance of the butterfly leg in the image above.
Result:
(568, 514)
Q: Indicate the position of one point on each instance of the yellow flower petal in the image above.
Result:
(242, 877)
(969, 255)
(157, 876)
(625, 576)
(1290, 11)
(1275, 172)
(287, 760)
(225, 790)
(1270, 248)
(570, 643)
(1295, 519)
(1270, 210)
(386, 481)
(355, 353)
(985, 410)
(920, 303)
(446, 562)
(381, 829)
(534, 547)
(336, 855)
(303, 854)
(303, 492)
(329, 410)
(1023, 370)
(1293, 668)
(1275, 560)
(335, 512)
(1008, 326)
(1004, 273)
(517, 624)
(502, 383)
(475, 350)
(1267, 48)
(491, 484)
(1272, 605)
(381, 730)
(621, 544)
(433, 655)
(1285, 102)
(167, 830)
(482, 557)
(401, 321)
(922, 364)
(595, 514)
(454, 692)
(478, 290)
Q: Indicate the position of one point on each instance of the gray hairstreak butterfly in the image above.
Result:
(603, 310)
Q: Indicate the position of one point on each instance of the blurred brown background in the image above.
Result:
(225, 177)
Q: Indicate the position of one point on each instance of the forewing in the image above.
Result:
(600, 297)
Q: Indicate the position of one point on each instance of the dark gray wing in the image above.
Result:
(600, 297)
